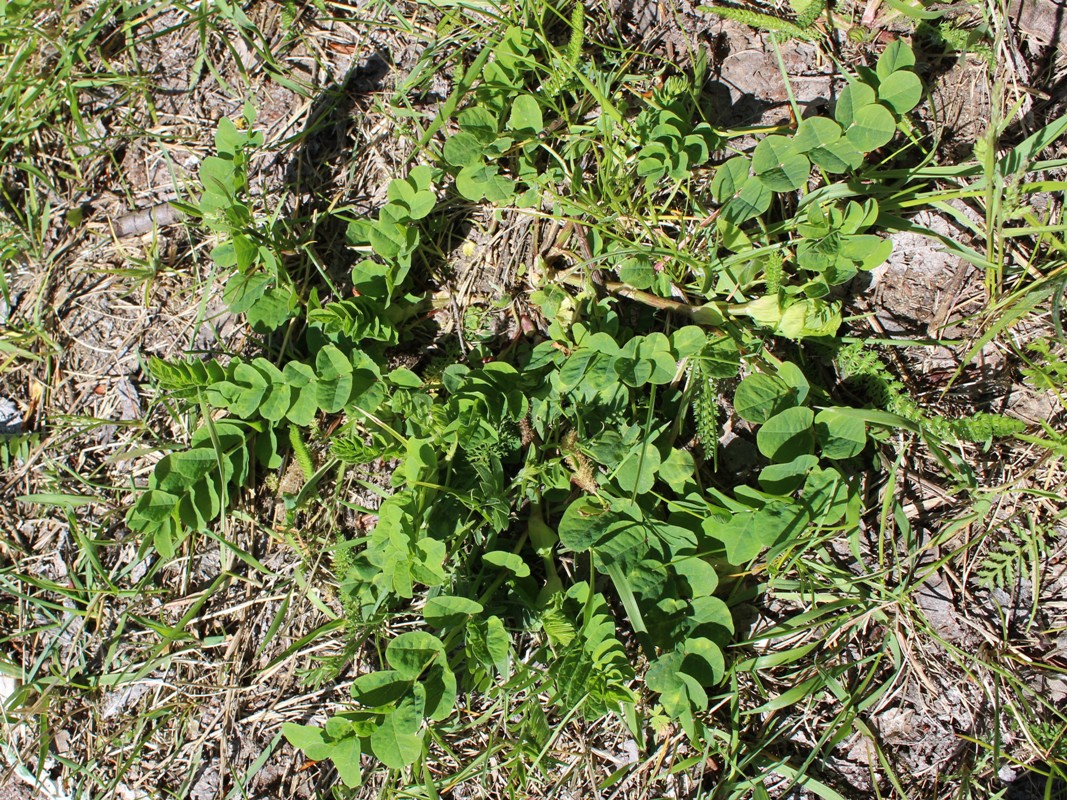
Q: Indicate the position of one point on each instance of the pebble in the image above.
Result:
(10, 417)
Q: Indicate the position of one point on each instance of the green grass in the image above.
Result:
(379, 518)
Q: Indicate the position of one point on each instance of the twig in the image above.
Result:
(144, 220)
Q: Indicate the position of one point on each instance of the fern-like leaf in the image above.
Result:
(1001, 567)
(357, 318)
(763, 22)
(185, 379)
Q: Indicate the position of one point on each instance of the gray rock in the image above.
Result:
(10, 417)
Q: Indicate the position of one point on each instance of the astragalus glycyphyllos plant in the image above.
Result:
(563, 491)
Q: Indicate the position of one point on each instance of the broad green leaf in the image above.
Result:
(404, 378)
(334, 386)
(155, 505)
(301, 380)
(784, 479)
(345, 757)
(738, 534)
(410, 653)
(688, 341)
(810, 317)
(277, 402)
(228, 139)
(420, 462)
(310, 739)
(872, 127)
(840, 435)
(896, 57)
(607, 448)
(901, 91)
(440, 685)
(853, 97)
(679, 693)
(633, 371)
(623, 544)
(637, 271)
(664, 367)
(463, 149)
(710, 610)
(787, 435)
(218, 176)
(422, 177)
(796, 380)
(448, 609)
(753, 199)
(779, 165)
(760, 396)
(679, 538)
(816, 132)
(729, 178)
(526, 115)
(585, 522)
(656, 349)
(428, 568)
(201, 504)
(401, 192)
(489, 643)
(380, 688)
(395, 742)
(267, 450)
(826, 494)
(745, 534)
(253, 386)
(165, 539)
(331, 362)
(304, 406)
(479, 121)
(696, 149)
(390, 239)
(270, 311)
(512, 562)
(637, 473)
(699, 574)
(648, 578)
(177, 471)
(338, 727)
(476, 182)
(243, 291)
(587, 369)
(837, 157)
(703, 660)
(652, 162)
(678, 468)
(420, 206)
(733, 238)
(720, 358)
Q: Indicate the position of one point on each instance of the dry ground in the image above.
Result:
(141, 681)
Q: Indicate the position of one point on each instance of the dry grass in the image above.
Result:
(145, 679)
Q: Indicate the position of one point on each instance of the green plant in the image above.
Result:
(783, 29)
(877, 385)
(248, 239)
(550, 491)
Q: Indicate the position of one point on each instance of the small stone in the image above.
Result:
(1007, 774)
(10, 418)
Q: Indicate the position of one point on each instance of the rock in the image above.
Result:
(1044, 21)
(915, 289)
(10, 418)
